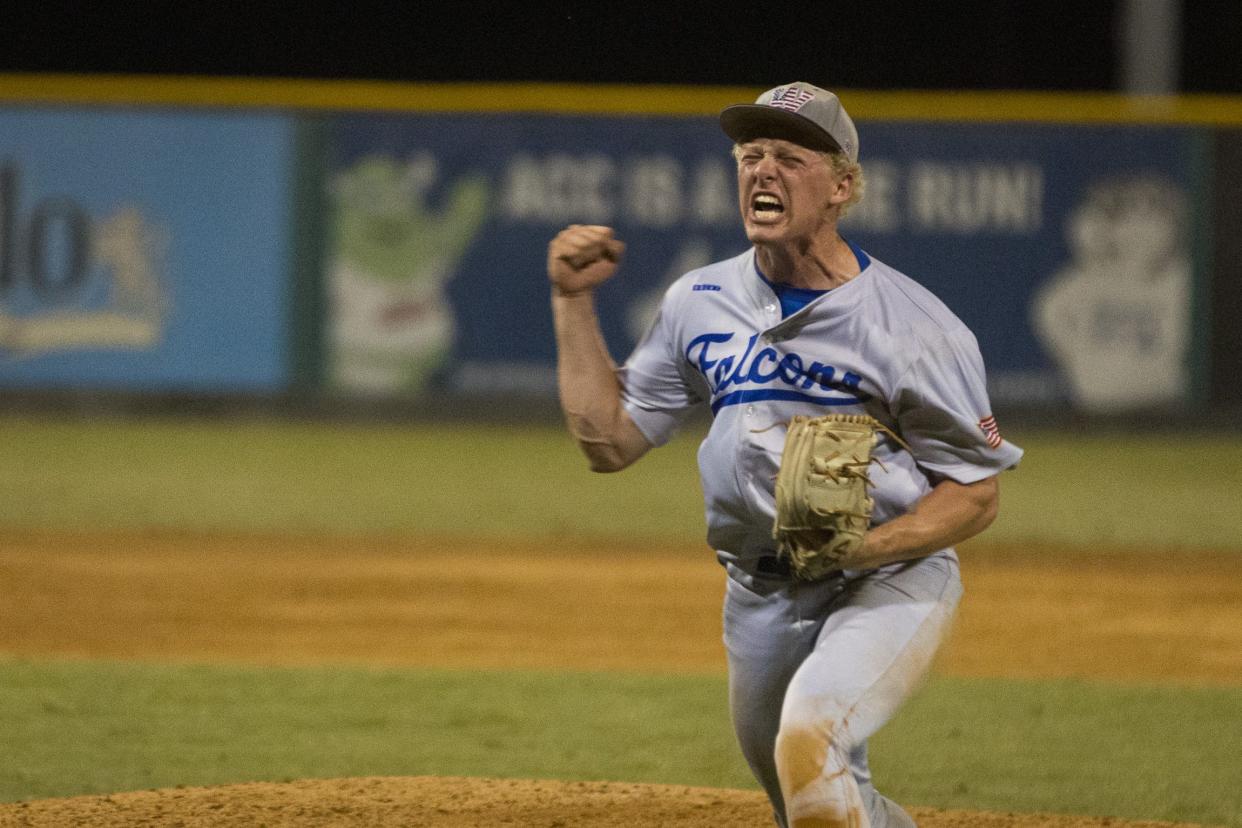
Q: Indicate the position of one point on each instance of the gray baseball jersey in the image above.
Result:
(881, 344)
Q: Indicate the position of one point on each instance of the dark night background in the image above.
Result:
(931, 45)
(889, 45)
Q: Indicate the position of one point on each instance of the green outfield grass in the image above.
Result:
(1116, 490)
(1155, 752)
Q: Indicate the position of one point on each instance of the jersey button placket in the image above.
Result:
(772, 309)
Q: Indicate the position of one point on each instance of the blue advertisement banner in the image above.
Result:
(1066, 249)
(144, 250)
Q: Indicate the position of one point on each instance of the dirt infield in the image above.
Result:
(404, 601)
(451, 603)
(444, 802)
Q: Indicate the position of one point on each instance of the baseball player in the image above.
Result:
(802, 323)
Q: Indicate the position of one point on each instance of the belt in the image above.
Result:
(772, 565)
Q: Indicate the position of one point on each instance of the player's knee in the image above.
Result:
(815, 776)
(804, 751)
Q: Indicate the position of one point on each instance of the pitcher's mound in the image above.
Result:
(460, 802)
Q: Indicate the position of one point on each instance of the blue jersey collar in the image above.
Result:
(794, 299)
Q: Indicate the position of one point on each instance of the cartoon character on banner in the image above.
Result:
(1117, 317)
(390, 322)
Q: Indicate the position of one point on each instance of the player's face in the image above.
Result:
(785, 191)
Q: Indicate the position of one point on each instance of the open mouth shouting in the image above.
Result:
(766, 207)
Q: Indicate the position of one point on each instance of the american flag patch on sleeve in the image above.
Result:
(991, 431)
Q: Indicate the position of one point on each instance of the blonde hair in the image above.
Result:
(841, 166)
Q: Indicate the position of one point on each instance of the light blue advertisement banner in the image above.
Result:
(1066, 249)
(144, 250)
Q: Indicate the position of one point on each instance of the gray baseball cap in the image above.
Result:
(797, 112)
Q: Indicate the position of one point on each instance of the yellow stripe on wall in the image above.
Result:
(605, 99)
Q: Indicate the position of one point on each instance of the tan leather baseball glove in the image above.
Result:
(823, 508)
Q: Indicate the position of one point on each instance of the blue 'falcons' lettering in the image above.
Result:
(768, 367)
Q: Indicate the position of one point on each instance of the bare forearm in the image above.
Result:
(585, 372)
(581, 258)
(949, 514)
(590, 394)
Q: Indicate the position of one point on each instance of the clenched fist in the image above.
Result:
(582, 257)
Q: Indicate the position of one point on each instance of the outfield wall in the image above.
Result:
(345, 240)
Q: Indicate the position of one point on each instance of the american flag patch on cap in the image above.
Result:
(790, 98)
(991, 431)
